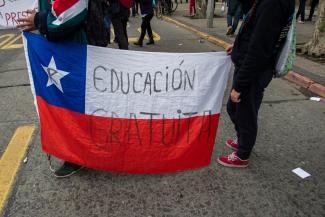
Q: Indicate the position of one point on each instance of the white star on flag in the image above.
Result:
(54, 74)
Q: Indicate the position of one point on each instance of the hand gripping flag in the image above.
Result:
(126, 111)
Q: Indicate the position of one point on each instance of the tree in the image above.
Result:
(316, 46)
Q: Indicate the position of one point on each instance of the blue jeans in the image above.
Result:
(234, 13)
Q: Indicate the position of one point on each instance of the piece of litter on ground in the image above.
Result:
(25, 160)
(201, 41)
(180, 44)
(301, 173)
(317, 99)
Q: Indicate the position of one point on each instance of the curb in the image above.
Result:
(292, 76)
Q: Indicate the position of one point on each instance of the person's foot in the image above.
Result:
(301, 22)
(309, 20)
(151, 41)
(229, 31)
(67, 169)
(232, 160)
(138, 43)
(232, 143)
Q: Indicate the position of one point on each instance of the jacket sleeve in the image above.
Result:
(65, 17)
(260, 55)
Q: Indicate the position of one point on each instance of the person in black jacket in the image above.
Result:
(147, 14)
(254, 57)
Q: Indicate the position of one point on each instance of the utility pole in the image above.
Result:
(210, 13)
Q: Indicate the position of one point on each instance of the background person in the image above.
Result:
(147, 14)
(301, 11)
(233, 15)
(314, 4)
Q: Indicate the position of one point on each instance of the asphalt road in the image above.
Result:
(291, 135)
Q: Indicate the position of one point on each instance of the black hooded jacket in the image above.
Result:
(253, 52)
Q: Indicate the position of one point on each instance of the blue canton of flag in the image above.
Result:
(59, 71)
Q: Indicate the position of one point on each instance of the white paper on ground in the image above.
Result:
(317, 99)
(301, 173)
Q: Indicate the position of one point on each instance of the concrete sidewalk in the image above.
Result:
(312, 72)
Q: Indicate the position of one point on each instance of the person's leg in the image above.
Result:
(231, 110)
(119, 33)
(229, 13)
(125, 19)
(303, 8)
(246, 119)
(238, 15)
(133, 9)
(149, 30)
(314, 3)
(191, 7)
(143, 32)
(299, 10)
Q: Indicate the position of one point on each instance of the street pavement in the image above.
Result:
(291, 135)
(314, 70)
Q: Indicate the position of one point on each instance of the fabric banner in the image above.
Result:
(126, 111)
(11, 10)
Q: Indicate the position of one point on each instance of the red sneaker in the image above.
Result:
(232, 143)
(232, 160)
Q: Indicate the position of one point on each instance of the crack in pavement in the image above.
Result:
(13, 70)
(17, 85)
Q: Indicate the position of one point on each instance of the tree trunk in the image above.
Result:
(201, 9)
(316, 46)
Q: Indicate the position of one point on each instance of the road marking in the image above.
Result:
(9, 40)
(11, 160)
(156, 36)
(11, 44)
(206, 36)
(7, 37)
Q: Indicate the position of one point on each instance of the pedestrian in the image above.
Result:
(233, 16)
(254, 56)
(66, 28)
(314, 4)
(119, 13)
(147, 14)
(301, 11)
(192, 8)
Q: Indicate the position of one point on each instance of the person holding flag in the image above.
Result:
(254, 57)
(59, 20)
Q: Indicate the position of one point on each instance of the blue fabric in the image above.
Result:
(68, 57)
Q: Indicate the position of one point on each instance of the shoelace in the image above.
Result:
(232, 156)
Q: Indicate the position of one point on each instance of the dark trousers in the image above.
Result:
(120, 33)
(146, 27)
(301, 10)
(244, 116)
(135, 8)
(234, 14)
(314, 3)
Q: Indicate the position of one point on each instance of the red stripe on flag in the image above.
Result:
(127, 145)
(60, 6)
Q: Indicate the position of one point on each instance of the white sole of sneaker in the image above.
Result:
(235, 149)
(66, 176)
(230, 165)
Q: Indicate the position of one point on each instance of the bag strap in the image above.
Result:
(50, 162)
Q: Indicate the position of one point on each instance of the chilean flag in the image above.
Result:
(126, 111)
